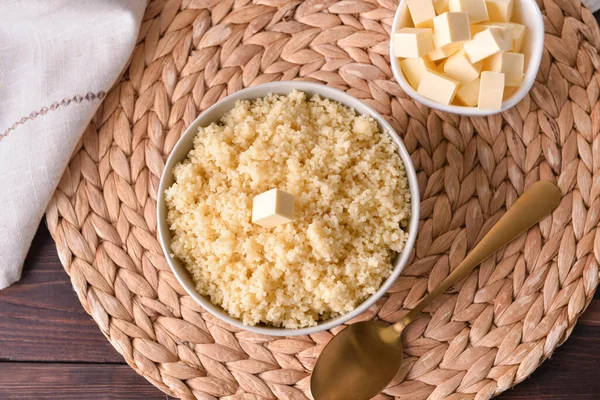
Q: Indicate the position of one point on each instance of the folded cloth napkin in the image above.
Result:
(58, 59)
(593, 5)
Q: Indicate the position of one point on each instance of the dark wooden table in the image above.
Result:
(51, 349)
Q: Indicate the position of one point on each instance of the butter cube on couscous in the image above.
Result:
(272, 208)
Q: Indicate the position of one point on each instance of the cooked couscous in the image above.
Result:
(352, 206)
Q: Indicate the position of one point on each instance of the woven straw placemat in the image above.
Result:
(481, 338)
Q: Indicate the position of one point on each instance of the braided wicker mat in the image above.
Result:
(484, 336)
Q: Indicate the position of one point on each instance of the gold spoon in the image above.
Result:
(362, 359)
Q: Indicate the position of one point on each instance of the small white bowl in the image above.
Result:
(526, 12)
(214, 114)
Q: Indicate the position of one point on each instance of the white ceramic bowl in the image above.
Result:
(213, 114)
(526, 12)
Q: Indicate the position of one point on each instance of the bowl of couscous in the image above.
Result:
(355, 216)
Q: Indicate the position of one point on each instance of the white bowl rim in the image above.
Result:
(281, 87)
(528, 81)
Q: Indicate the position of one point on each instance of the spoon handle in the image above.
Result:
(536, 203)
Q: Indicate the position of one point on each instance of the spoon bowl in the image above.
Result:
(373, 355)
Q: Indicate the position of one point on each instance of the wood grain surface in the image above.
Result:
(51, 349)
(73, 381)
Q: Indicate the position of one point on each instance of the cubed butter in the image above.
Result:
(441, 6)
(440, 67)
(491, 90)
(515, 32)
(451, 28)
(413, 69)
(510, 64)
(458, 67)
(485, 44)
(518, 34)
(437, 87)
(442, 52)
(476, 28)
(422, 12)
(462, 52)
(508, 92)
(500, 10)
(405, 18)
(468, 94)
(272, 208)
(476, 9)
(413, 42)
(506, 33)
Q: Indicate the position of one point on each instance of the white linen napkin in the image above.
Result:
(58, 59)
(593, 5)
